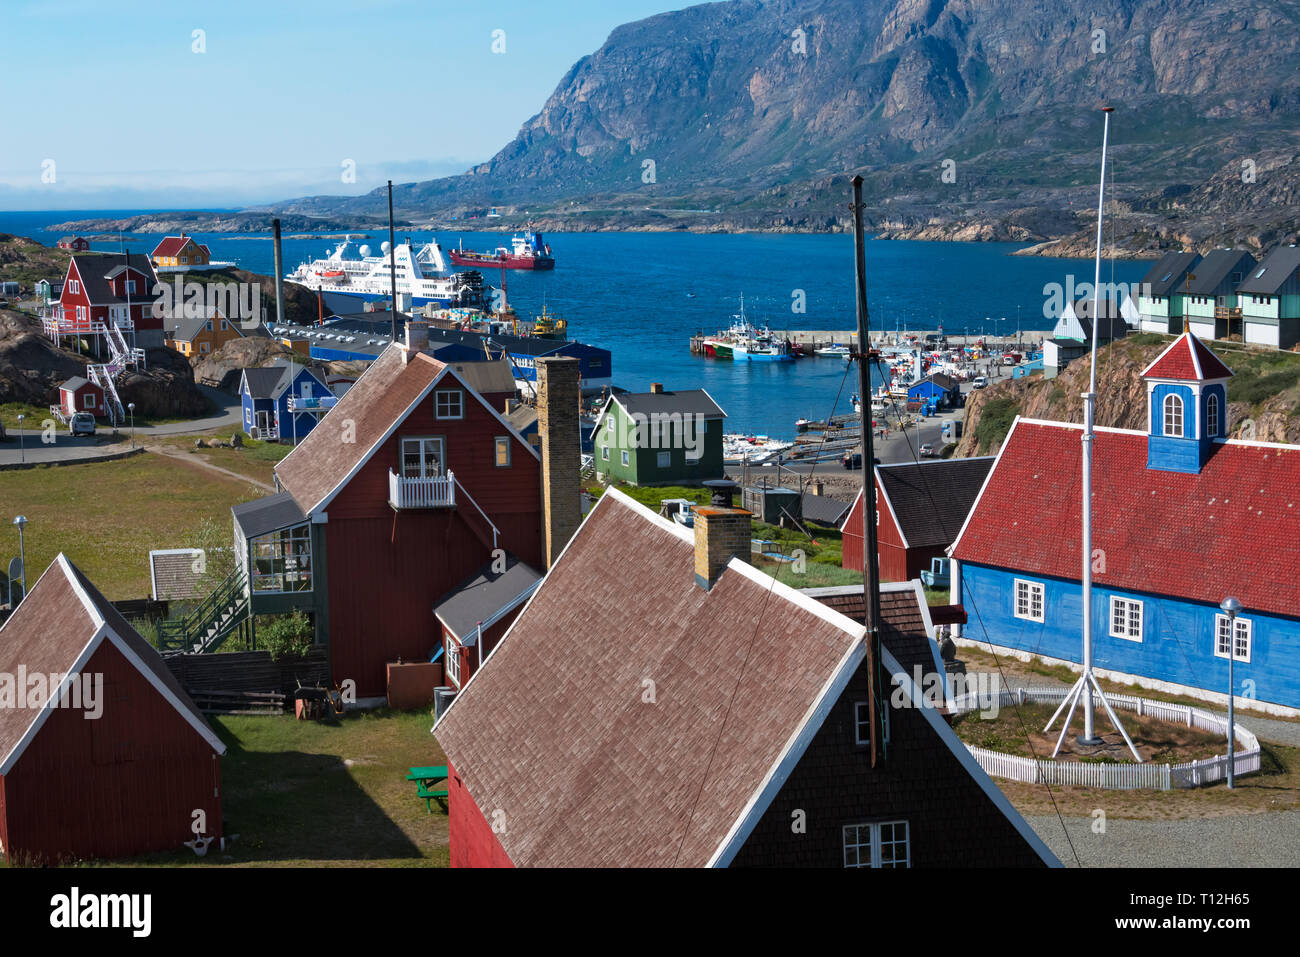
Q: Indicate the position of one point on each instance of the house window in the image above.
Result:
(282, 560)
(664, 459)
(862, 723)
(74, 287)
(203, 347)
(208, 325)
(87, 401)
(1173, 416)
(449, 404)
(1240, 642)
(224, 325)
(1125, 618)
(881, 844)
(130, 287)
(626, 458)
(502, 451)
(609, 423)
(1029, 600)
(604, 452)
(422, 458)
(1212, 416)
(453, 661)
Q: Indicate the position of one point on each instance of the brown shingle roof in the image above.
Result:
(556, 732)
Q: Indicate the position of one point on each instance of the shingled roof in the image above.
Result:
(929, 500)
(684, 781)
(55, 630)
(485, 596)
(681, 402)
(1198, 537)
(94, 268)
(1189, 359)
(1167, 275)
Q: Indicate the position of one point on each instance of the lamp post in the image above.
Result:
(1231, 607)
(21, 521)
(22, 450)
(130, 407)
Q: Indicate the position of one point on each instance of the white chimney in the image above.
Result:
(417, 338)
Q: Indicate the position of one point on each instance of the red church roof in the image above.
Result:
(1187, 358)
(1232, 529)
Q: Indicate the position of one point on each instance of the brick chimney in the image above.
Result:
(818, 488)
(720, 535)
(417, 338)
(656, 388)
(557, 428)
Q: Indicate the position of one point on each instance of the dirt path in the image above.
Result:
(196, 462)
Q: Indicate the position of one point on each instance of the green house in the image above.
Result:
(1213, 307)
(659, 438)
(1270, 300)
(1162, 295)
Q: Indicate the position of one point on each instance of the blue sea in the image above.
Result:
(643, 295)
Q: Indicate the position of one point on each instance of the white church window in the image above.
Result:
(1212, 416)
(1029, 600)
(1173, 416)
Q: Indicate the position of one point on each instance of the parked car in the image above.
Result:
(853, 460)
(927, 451)
(980, 382)
(83, 423)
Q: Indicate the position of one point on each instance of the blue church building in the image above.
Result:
(1183, 517)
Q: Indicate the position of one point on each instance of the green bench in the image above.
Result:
(427, 779)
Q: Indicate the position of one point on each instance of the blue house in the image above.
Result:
(939, 390)
(1183, 517)
(267, 393)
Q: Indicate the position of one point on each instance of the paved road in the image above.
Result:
(1257, 840)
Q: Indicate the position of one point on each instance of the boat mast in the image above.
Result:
(1083, 688)
(392, 260)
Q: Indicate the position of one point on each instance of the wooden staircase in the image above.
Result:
(216, 618)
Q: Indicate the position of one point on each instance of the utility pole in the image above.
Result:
(871, 558)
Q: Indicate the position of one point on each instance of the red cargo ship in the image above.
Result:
(528, 252)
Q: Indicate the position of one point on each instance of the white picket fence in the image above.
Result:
(1117, 777)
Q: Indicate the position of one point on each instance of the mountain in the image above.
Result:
(754, 112)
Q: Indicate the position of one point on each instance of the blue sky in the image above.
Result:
(131, 116)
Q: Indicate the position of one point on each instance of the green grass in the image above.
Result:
(107, 515)
(256, 459)
(306, 793)
(36, 414)
(996, 418)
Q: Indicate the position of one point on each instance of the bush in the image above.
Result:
(287, 636)
(995, 422)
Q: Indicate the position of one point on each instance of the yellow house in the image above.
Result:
(197, 336)
(181, 251)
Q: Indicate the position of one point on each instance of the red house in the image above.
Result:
(104, 287)
(102, 753)
(81, 395)
(661, 703)
(478, 612)
(920, 509)
(75, 243)
(407, 489)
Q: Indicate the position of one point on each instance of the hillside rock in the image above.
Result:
(221, 369)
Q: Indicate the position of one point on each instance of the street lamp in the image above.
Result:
(130, 407)
(22, 450)
(1231, 607)
(21, 521)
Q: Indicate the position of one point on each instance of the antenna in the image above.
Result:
(1087, 680)
(392, 260)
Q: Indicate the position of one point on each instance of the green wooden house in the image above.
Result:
(659, 438)
(1161, 297)
(1270, 300)
(1213, 306)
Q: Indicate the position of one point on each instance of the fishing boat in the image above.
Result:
(742, 342)
(751, 449)
(422, 275)
(547, 326)
(836, 351)
(528, 251)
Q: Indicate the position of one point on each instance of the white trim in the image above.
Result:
(495, 616)
(881, 493)
(1249, 623)
(1042, 599)
(1142, 618)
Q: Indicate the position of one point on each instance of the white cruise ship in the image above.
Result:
(424, 277)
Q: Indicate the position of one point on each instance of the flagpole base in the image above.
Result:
(1089, 742)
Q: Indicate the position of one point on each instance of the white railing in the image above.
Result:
(1115, 776)
(432, 492)
(304, 403)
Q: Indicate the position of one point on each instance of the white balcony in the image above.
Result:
(428, 492)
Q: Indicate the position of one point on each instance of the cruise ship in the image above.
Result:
(423, 276)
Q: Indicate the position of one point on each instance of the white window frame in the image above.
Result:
(1212, 415)
(604, 452)
(626, 458)
(663, 460)
(1126, 618)
(442, 399)
(76, 287)
(1031, 589)
(88, 401)
(872, 836)
(1165, 418)
(450, 653)
(862, 721)
(424, 461)
(1244, 633)
(499, 443)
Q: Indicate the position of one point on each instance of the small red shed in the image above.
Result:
(102, 753)
(81, 395)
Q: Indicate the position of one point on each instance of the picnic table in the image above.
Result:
(427, 779)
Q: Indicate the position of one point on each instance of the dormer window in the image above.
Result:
(1212, 416)
(1173, 424)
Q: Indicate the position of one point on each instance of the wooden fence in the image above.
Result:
(248, 671)
(1118, 777)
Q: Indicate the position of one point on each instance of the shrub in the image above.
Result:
(287, 636)
(995, 422)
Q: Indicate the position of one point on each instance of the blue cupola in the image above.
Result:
(1187, 405)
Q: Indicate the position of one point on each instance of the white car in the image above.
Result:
(980, 382)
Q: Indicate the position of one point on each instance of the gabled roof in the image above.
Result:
(684, 781)
(1267, 277)
(94, 268)
(1113, 324)
(683, 402)
(1189, 359)
(322, 463)
(484, 597)
(56, 630)
(1216, 269)
(75, 383)
(269, 514)
(270, 382)
(172, 245)
(929, 500)
(186, 327)
(1166, 276)
(1231, 529)
(824, 510)
(945, 382)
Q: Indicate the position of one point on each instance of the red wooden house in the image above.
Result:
(180, 251)
(638, 715)
(920, 509)
(478, 612)
(104, 287)
(75, 243)
(111, 758)
(405, 490)
(81, 395)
